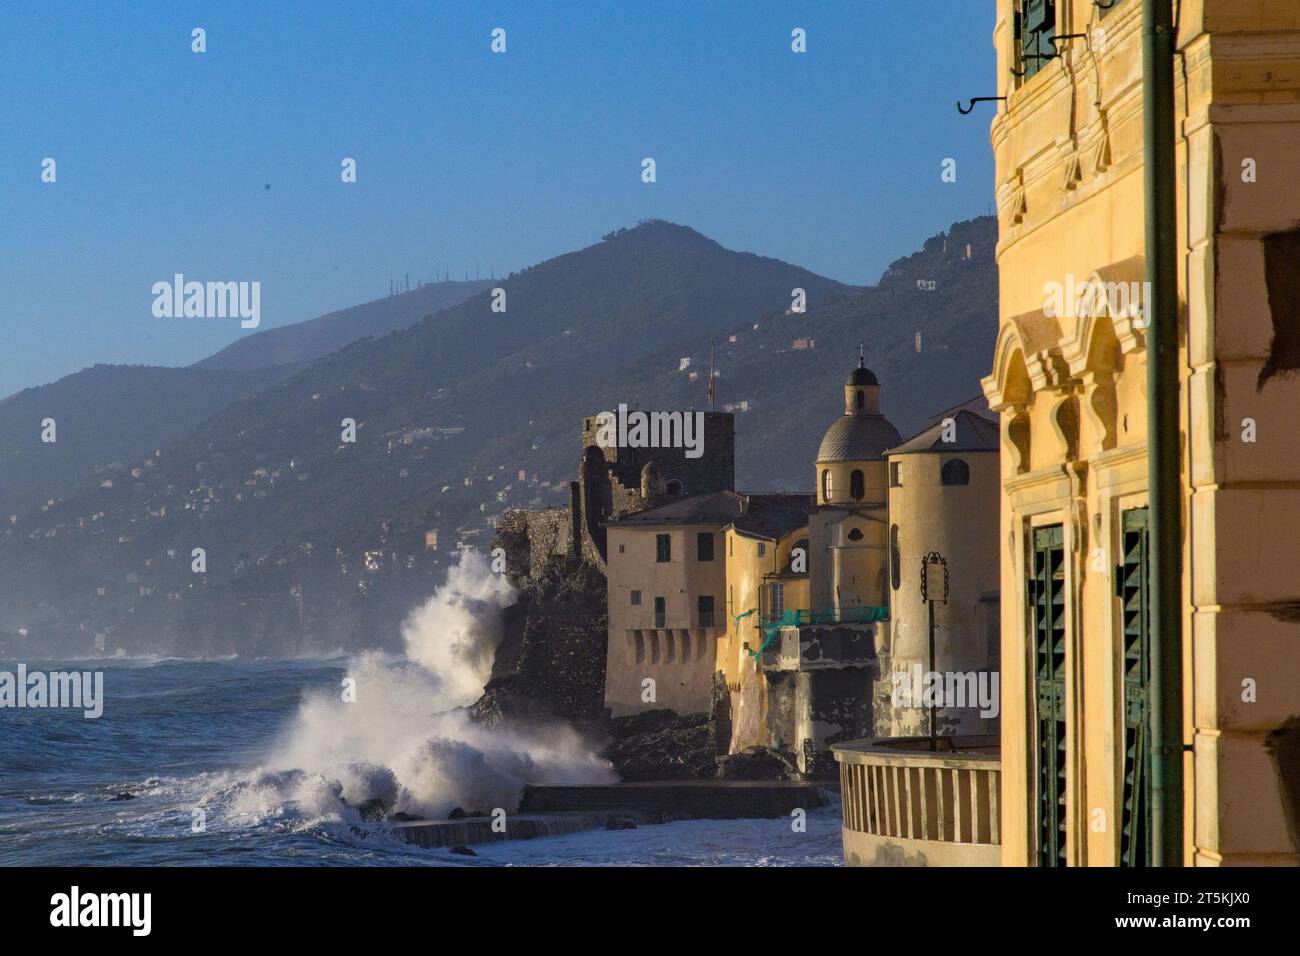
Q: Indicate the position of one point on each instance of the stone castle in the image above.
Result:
(615, 481)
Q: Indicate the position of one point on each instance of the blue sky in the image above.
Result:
(828, 159)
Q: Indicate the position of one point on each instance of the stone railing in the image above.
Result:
(905, 805)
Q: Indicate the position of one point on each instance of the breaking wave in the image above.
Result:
(395, 735)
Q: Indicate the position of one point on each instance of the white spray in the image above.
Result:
(403, 742)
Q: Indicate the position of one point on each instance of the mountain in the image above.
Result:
(119, 412)
(946, 292)
(104, 414)
(314, 338)
(314, 542)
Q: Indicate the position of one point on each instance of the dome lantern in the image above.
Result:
(851, 459)
(862, 389)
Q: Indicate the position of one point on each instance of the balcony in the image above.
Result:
(904, 805)
(824, 638)
(805, 617)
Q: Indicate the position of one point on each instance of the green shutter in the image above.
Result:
(1133, 586)
(1047, 596)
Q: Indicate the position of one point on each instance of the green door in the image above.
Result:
(1132, 587)
(1047, 595)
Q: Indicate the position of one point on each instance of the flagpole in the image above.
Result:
(712, 396)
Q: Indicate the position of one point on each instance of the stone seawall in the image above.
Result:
(661, 801)
(557, 810)
(520, 826)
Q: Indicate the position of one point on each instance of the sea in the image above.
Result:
(262, 762)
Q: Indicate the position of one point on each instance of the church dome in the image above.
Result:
(857, 438)
(862, 376)
(861, 433)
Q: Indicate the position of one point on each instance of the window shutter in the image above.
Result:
(1134, 594)
(1047, 597)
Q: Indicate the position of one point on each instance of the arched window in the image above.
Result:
(826, 484)
(955, 472)
(861, 399)
(855, 535)
(895, 559)
(675, 488)
(857, 485)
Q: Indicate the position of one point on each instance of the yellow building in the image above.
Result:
(689, 583)
(922, 788)
(666, 583)
(767, 573)
(848, 530)
(777, 639)
(810, 613)
(1069, 378)
(943, 491)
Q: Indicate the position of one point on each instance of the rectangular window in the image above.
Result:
(663, 548)
(1035, 26)
(731, 546)
(762, 549)
(776, 602)
(894, 480)
(706, 610)
(636, 597)
(704, 546)
(661, 612)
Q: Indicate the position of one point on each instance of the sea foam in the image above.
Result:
(405, 741)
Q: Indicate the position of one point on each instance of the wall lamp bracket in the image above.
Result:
(1067, 36)
(979, 99)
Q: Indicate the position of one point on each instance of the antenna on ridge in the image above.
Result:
(711, 393)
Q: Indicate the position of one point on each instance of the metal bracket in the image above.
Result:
(978, 99)
(1067, 36)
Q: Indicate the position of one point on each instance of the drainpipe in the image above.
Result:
(1163, 473)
